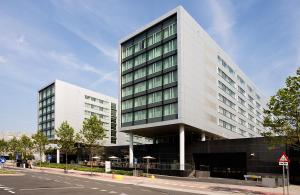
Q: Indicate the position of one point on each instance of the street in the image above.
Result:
(32, 183)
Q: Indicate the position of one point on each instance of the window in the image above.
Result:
(241, 111)
(154, 53)
(258, 114)
(170, 93)
(241, 101)
(140, 87)
(226, 89)
(155, 67)
(170, 61)
(227, 125)
(170, 46)
(251, 118)
(250, 98)
(170, 77)
(127, 51)
(155, 82)
(226, 113)
(170, 109)
(140, 59)
(242, 82)
(126, 117)
(226, 101)
(126, 104)
(155, 97)
(127, 78)
(225, 77)
(225, 65)
(257, 96)
(155, 112)
(140, 115)
(258, 122)
(250, 89)
(243, 132)
(251, 108)
(140, 73)
(126, 91)
(242, 91)
(127, 65)
(154, 38)
(251, 127)
(169, 30)
(258, 105)
(242, 122)
(140, 101)
(140, 45)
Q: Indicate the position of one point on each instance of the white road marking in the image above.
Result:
(62, 188)
(112, 192)
(2, 186)
(145, 190)
(11, 192)
(79, 185)
(103, 190)
(123, 194)
(95, 188)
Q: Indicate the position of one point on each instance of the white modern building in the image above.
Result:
(60, 101)
(176, 80)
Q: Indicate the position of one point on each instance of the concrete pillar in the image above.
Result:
(181, 147)
(57, 156)
(203, 136)
(131, 149)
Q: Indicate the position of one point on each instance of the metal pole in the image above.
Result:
(288, 182)
(283, 180)
(147, 166)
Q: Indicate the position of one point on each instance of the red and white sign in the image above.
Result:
(283, 160)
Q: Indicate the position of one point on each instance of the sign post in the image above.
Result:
(284, 162)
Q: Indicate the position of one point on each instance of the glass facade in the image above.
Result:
(46, 110)
(149, 75)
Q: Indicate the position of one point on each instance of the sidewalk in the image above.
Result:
(176, 185)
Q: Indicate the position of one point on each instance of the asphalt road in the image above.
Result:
(35, 183)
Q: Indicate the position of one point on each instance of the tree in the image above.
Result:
(282, 117)
(14, 146)
(92, 133)
(3, 146)
(26, 146)
(66, 139)
(40, 141)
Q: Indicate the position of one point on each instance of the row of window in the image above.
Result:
(153, 38)
(151, 98)
(250, 126)
(151, 69)
(46, 117)
(46, 93)
(47, 125)
(151, 83)
(95, 107)
(153, 53)
(100, 116)
(231, 71)
(46, 102)
(46, 110)
(93, 99)
(150, 113)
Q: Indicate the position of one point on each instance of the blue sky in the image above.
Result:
(76, 41)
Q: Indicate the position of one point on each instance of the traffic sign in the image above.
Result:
(283, 160)
(135, 161)
(2, 160)
(49, 157)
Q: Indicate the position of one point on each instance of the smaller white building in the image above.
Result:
(60, 101)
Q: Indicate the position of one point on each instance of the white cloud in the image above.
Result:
(223, 21)
(2, 60)
(72, 61)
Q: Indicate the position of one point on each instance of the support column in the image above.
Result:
(203, 138)
(57, 156)
(181, 147)
(131, 149)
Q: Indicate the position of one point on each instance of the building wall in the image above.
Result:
(204, 75)
(74, 104)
